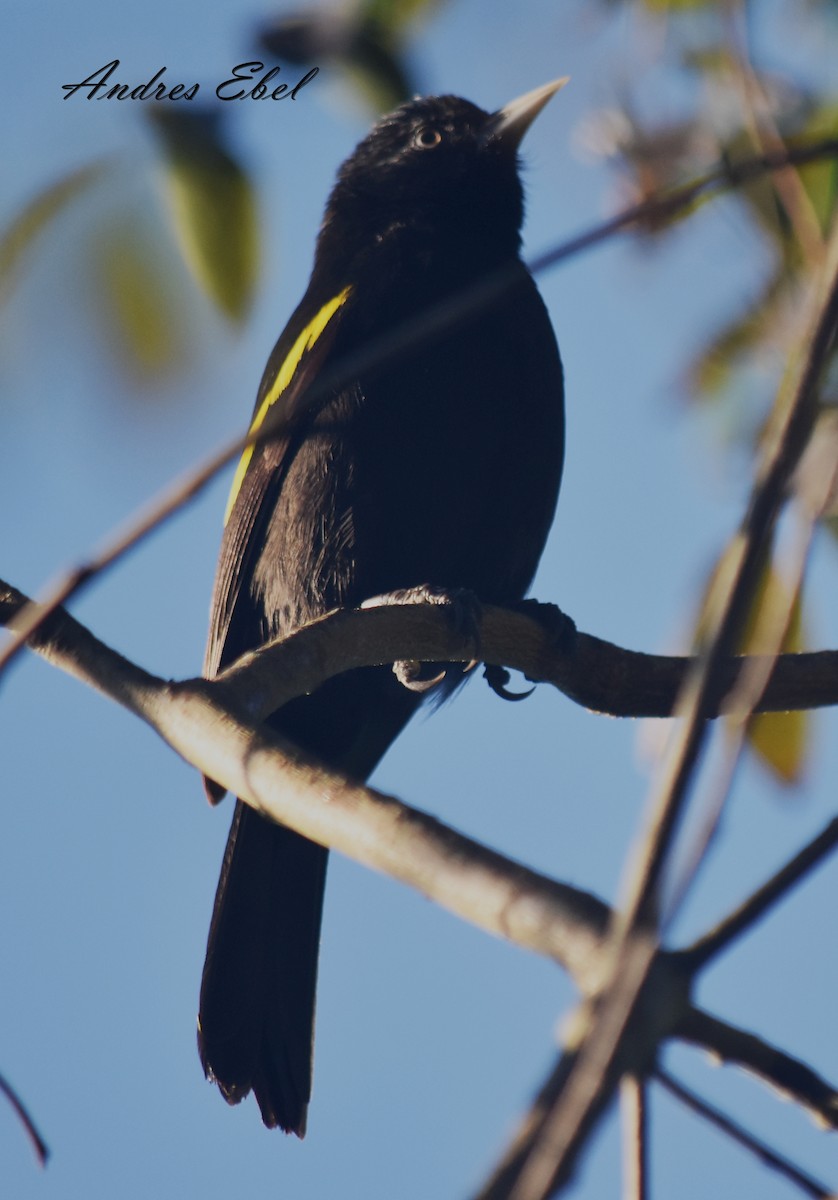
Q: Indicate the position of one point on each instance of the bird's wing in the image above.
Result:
(236, 621)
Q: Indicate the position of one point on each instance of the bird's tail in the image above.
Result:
(256, 1020)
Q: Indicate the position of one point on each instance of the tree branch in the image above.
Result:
(274, 777)
(766, 1154)
(495, 893)
(634, 1107)
(39, 1145)
(605, 1052)
(781, 1071)
(763, 899)
(594, 673)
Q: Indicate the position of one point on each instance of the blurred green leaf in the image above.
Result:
(366, 41)
(212, 206)
(37, 214)
(760, 196)
(135, 293)
(675, 6)
(780, 740)
(820, 179)
(712, 370)
(394, 15)
(375, 64)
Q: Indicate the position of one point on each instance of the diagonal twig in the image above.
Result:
(40, 1146)
(763, 899)
(549, 1158)
(493, 892)
(634, 1104)
(782, 1072)
(765, 1153)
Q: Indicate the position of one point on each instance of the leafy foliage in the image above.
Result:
(38, 213)
(366, 41)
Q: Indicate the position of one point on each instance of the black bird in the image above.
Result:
(438, 466)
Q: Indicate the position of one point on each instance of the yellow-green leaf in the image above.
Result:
(745, 335)
(135, 292)
(365, 43)
(820, 179)
(393, 15)
(212, 207)
(37, 214)
(780, 740)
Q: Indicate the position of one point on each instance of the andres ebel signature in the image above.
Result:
(249, 81)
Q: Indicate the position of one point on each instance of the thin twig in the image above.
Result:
(766, 137)
(480, 886)
(736, 587)
(633, 1108)
(813, 490)
(381, 352)
(549, 1160)
(38, 1143)
(765, 1153)
(667, 205)
(713, 943)
(542, 1155)
(793, 1079)
(498, 1186)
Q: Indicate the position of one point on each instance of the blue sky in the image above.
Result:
(431, 1036)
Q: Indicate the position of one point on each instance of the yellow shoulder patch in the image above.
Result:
(285, 374)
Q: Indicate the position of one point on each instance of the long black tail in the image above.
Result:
(256, 1022)
(256, 1019)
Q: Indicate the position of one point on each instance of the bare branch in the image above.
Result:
(40, 1146)
(763, 131)
(601, 1058)
(814, 483)
(667, 205)
(501, 1183)
(496, 894)
(270, 774)
(789, 1076)
(763, 899)
(768, 1156)
(594, 673)
(634, 1110)
(543, 1154)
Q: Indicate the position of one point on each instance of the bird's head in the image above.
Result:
(440, 167)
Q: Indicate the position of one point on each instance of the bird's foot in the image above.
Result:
(464, 611)
(558, 627)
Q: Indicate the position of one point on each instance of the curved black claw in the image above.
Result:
(498, 678)
(408, 671)
(464, 611)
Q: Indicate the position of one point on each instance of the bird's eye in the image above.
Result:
(427, 137)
